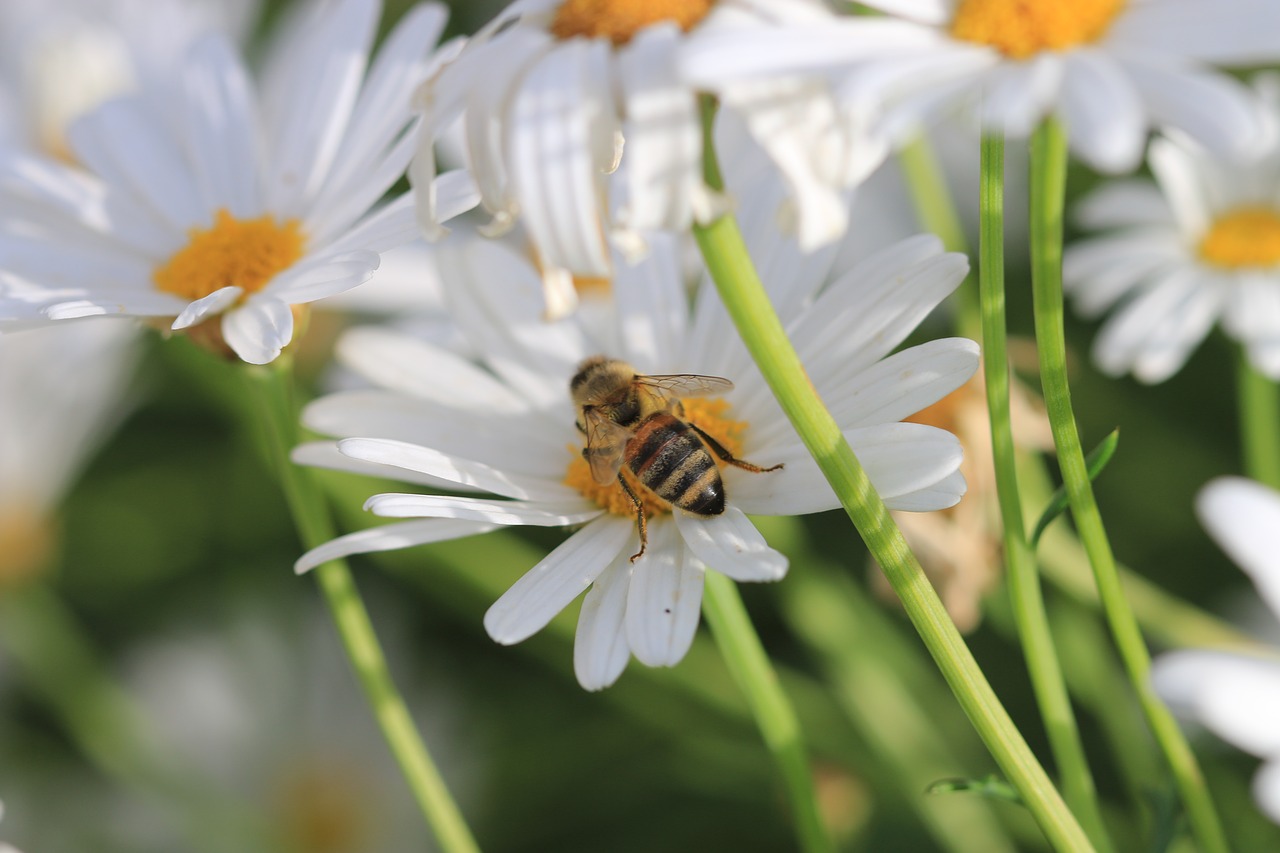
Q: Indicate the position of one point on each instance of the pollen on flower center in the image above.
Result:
(1244, 237)
(708, 415)
(245, 253)
(1023, 28)
(620, 20)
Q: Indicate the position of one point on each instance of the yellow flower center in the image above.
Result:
(1244, 237)
(709, 415)
(620, 20)
(245, 253)
(1023, 28)
(322, 810)
(27, 543)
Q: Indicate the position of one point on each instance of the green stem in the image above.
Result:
(1259, 417)
(936, 212)
(1048, 189)
(1024, 580)
(748, 305)
(273, 388)
(750, 667)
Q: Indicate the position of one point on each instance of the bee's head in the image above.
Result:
(597, 377)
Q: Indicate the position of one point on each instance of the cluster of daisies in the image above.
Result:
(555, 165)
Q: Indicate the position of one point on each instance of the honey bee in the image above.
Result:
(638, 421)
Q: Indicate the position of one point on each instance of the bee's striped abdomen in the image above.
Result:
(669, 459)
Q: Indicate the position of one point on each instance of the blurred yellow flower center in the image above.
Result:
(26, 544)
(324, 809)
(245, 253)
(1244, 237)
(709, 415)
(1023, 28)
(620, 20)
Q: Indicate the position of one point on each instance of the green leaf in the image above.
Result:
(1094, 462)
(991, 786)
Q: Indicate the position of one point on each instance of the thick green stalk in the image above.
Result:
(748, 305)
(936, 212)
(1023, 578)
(745, 656)
(1048, 188)
(273, 388)
(1259, 418)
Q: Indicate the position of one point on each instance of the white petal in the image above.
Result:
(558, 579)
(558, 118)
(1097, 272)
(600, 650)
(1105, 117)
(1244, 518)
(325, 454)
(401, 362)
(731, 544)
(390, 537)
(258, 329)
(455, 469)
(1266, 789)
(219, 110)
(652, 308)
(309, 91)
(223, 297)
(1155, 333)
(534, 514)
(1214, 109)
(900, 459)
(1016, 96)
(1242, 32)
(663, 162)
(138, 304)
(664, 598)
(1234, 695)
(323, 275)
(127, 146)
(943, 494)
(1175, 169)
(1122, 203)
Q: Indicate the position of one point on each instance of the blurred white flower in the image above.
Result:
(1202, 243)
(507, 430)
(1235, 695)
(266, 720)
(6, 848)
(61, 58)
(238, 200)
(1110, 69)
(61, 391)
(558, 94)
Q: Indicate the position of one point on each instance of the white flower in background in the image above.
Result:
(1202, 243)
(1110, 69)
(1237, 696)
(61, 58)
(506, 430)
(6, 848)
(558, 94)
(238, 199)
(265, 721)
(61, 391)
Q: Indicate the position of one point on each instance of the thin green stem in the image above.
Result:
(1048, 188)
(936, 212)
(745, 656)
(273, 388)
(1259, 419)
(1024, 580)
(749, 307)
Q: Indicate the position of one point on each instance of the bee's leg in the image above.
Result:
(640, 522)
(719, 450)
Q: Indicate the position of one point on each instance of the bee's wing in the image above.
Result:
(606, 442)
(687, 384)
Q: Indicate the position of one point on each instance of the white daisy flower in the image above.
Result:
(558, 94)
(1110, 69)
(1237, 696)
(61, 392)
(241, 199)
(61, 58)
(507, 430)
(1203, 243)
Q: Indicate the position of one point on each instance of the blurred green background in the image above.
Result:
(174, 571)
